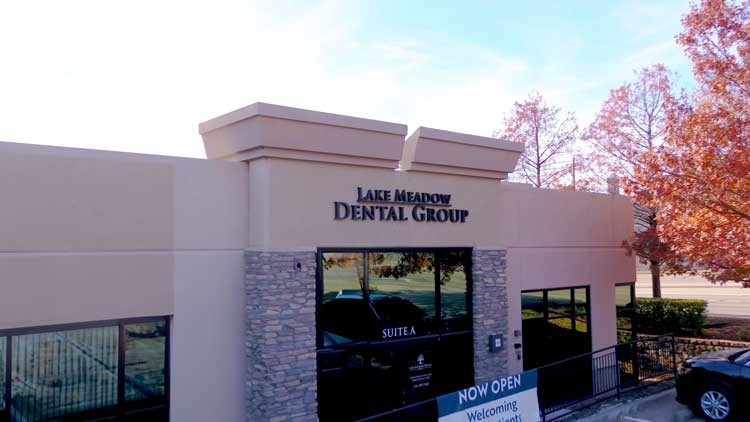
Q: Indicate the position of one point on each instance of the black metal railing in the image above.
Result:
(582, 380)
(577, 382)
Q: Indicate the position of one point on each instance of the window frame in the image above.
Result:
(440, 331)
(572, 314)
(122, 406)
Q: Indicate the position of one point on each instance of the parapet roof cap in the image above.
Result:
(300, 115)
(441, 151)
(467, 139)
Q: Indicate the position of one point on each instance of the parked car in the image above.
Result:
(716, 385)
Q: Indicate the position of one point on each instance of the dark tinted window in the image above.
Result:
(145, 348)
(454, 292)
(625, 302)
(65, 372)
(392, 290)
(345, 320)
(402, 291)
(74, 373)
(555, 325)
(743, 358)
(344, 315)
(380, 319)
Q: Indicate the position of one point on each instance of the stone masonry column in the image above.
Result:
(280, 341)
(490, 303)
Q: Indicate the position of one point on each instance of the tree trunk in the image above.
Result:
(655, 279)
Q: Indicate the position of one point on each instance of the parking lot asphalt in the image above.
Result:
(730, 299)
(659, 407)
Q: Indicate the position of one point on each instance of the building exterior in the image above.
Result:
(315, 267)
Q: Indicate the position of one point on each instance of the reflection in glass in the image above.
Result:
(64, 372)
(563, 322)
(454, 291)
(624, 323)
(559, 302)
(624, 295)
(532, 305)
(145, 347)
(344, 275)
(581, 301)
(375, 308)
(344, 315)
(582, 324)
(551, 331)
(402, 292)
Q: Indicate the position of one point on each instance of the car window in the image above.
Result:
(744, 358)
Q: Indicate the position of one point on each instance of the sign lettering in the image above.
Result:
(512, 398)
(392, 205)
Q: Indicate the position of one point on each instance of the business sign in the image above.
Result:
(507, 399)
(399, 205)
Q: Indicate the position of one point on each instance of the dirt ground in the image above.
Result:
(722, 328)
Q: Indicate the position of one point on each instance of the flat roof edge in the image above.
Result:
(465, 138)
(301, 115)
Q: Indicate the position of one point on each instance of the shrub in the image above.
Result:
(743, 334)
(679, 316)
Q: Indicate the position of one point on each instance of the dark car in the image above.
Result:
(716, 385)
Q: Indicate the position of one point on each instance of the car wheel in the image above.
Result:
(716, 403)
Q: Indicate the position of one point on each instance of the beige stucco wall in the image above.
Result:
(93, 235)
(81, 231)
(292, 208)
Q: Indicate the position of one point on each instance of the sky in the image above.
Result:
(139, 76)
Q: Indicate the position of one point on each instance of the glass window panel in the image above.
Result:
(532, 305)
(343, 275)
(624, 336)
(582, 323)
(558, 302)
(623, 295)
(145, 349)
(453, 291)
(581, 301)
(561, 334)
(402, 292)
(624, 323)
(64, 372)
(565, 322)
(344, 316)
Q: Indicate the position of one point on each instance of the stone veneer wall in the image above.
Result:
(280, 342)
(692, 347)
(490, 297)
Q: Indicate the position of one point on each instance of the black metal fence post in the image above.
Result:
(540, 394)
(674, 356)
(8, 377)
(618, 379)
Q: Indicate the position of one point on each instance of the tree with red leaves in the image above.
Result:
(630, 124)
(699, 178)
(547, 135)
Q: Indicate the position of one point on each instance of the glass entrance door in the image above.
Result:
(394, 328)
(556, 327)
